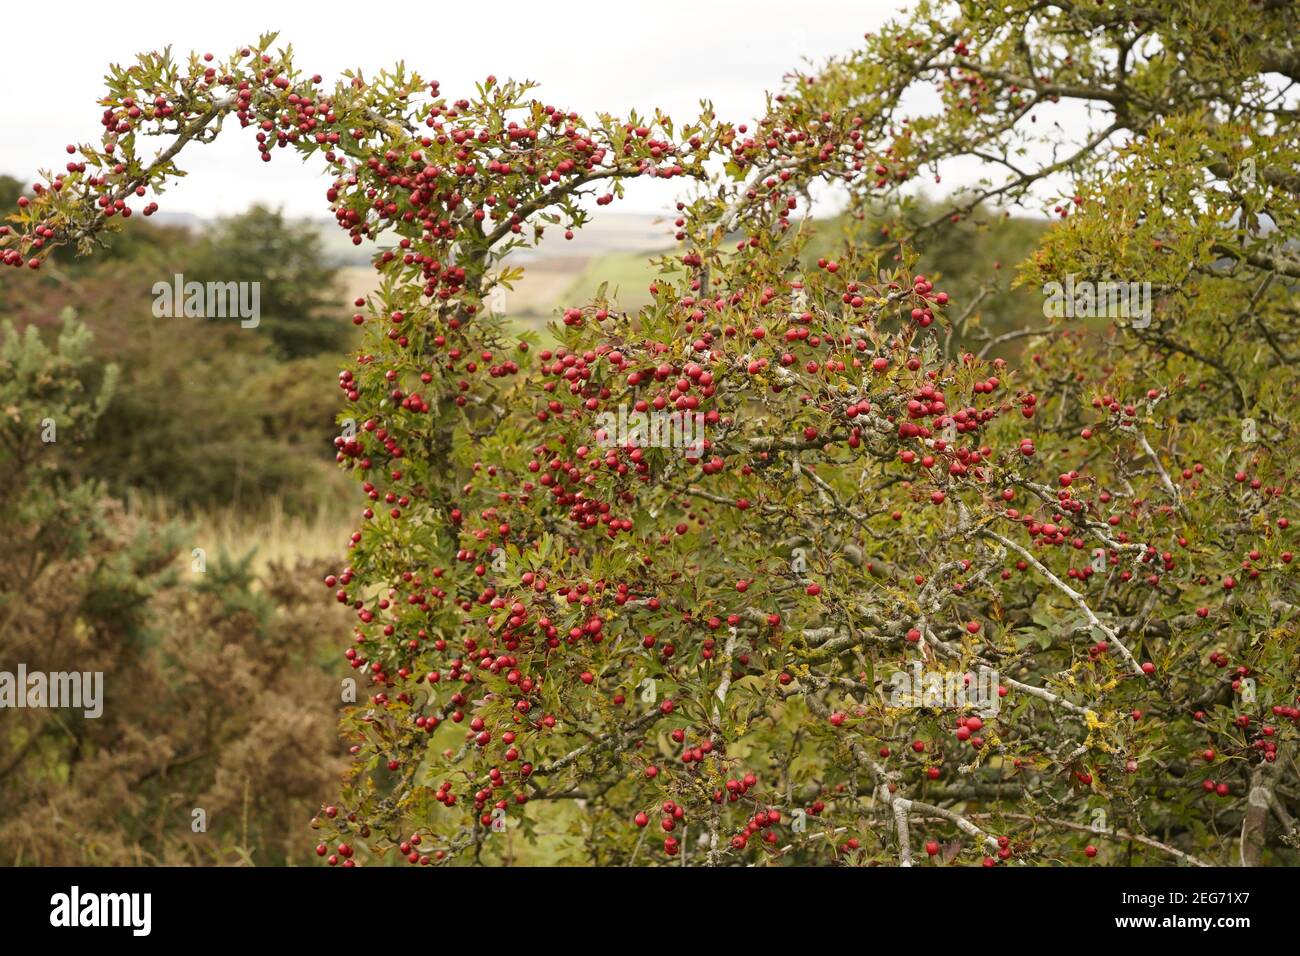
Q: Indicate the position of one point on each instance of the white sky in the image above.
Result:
(588, 56)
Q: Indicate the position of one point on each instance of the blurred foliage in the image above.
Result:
(299, 304)
(215, 694)
(206, 412)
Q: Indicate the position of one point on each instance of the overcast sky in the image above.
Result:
(588, 56)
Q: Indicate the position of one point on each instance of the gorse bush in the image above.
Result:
(212, 695)
(702, 644)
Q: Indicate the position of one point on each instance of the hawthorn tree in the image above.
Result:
(699, 648)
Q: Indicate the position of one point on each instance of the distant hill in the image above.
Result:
(605, 234)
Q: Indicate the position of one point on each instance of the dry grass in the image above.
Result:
(273, 535)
